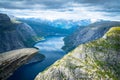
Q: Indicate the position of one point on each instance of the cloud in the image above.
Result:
(63, 8)
(30, 4)
(105, 5)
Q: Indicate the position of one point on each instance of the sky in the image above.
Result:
(62, 9)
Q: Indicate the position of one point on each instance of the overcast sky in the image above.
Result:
(63, 9)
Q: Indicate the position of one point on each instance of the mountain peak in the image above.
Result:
(4, 17)
(15, 35)
(113, 35)
(114, 31)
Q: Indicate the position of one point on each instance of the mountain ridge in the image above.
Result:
(15, 34)
(89, 33)
(95, 60)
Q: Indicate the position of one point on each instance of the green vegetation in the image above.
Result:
(113, 31)
(13, 20)
(96, 60)
(36, 38)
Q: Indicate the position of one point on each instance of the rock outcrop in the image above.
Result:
(89, 33)
(11, 60)
(96, 60)
(15, 34)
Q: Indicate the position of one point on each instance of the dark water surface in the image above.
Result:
(51, 48)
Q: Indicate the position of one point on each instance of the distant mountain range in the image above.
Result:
(88, 33)
(56, 27)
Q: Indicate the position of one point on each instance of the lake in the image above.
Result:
(51, 48)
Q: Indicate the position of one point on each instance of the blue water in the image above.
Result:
(51, 48)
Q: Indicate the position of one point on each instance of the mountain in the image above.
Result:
(56, 27)
(68, 24)
(96, 60)
(86, 34)
(15, 34)
(11, 60)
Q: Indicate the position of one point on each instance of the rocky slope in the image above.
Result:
(89, 33)
(96, 60)
(15, 34)
(11, 60)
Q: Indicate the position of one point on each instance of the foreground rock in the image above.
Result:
(89, 33)
(96, 60)
(10, 61)
(15, 34)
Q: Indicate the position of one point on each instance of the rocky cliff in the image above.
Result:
(11, 60)
(89, 33)
(96, 60)
(15, 34)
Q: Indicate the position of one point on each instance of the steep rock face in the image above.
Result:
(27, 34)
(96, 60)
(89, 33)
(4, 17)
(11, 60)
(14, 34)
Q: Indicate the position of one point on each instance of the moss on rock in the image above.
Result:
(96, 60)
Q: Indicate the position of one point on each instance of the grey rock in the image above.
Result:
(14, 34)
(89, 33)
(4, 17)
(88, 61)
(11, 60)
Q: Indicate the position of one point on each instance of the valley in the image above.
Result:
(58, 50)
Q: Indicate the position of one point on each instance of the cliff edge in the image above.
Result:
(89, 33)
(15, 34)
(11, 60)
(96, 60)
